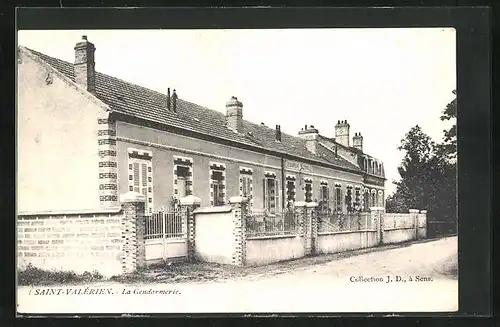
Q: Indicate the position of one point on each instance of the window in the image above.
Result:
(217, 184)
(271, 193)
(246, 185)
(374, 200)
(348, 199)
(308, 190)
(324, 198)
(357, 202)
(182, 177)
(338, 198)
(380, 198)
(182, 181)
(366, 200)
(290, 193)
(140, 175)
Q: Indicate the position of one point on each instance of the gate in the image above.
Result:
(165, 235)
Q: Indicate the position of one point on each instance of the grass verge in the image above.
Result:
(31, 275)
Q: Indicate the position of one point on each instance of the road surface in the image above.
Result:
(422, 277)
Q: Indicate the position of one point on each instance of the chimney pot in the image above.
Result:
(174, 101)
(168, 99)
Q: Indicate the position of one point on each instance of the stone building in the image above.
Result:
(85, 137)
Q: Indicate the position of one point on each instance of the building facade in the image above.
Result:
(85, 137)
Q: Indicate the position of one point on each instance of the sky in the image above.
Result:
(382, 81)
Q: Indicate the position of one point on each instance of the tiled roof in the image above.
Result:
(134, 100)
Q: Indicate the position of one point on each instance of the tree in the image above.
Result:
(449, 146)
(428, 173)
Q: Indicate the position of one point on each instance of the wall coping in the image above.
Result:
(270, 237)
(377, 208)
(311, 204)
(237, 199)
(132, 196)
(413, 211)
(213, 209)
(398, 228)
(190, 200)
(348, 232)
(69, 212)
(423, 211)
(300, 204)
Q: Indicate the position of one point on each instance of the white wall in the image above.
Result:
(214, 234)
(345, 241)
(265, 250)
(57, 148)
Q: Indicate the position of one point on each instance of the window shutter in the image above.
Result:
(136, 178)
(277, 195)
(264, 195)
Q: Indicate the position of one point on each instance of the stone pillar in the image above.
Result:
(423, 213)
(312, 218)
(377, 217)
(414, 215)
(238, 205)
(133, 250)
(300, 218)
(188, 205)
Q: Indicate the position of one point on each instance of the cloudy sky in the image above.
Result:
(382, 81)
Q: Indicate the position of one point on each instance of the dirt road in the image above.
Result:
(422, 277)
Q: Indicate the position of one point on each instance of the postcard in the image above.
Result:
(236, 171)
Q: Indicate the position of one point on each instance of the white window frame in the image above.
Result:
(248, 176)
(149, 176)
(190, 178)
(223, 171)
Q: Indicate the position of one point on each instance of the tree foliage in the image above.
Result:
(428, 172)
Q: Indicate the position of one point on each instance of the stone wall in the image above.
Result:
(110, 241)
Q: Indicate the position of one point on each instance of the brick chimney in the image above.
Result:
(85, 64)
(342, 132)
(234, 115)
(357, 141)
(310, 135)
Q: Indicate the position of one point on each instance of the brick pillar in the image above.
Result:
(188, 205)
(377, 217)
(239, 209)
(300, 217)
(133, 249)
(414, 215)
(312, 219)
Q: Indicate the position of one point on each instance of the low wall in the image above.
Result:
(345, 241)
(269, 249)
(397, 235)
(214, 234)
(71, 242)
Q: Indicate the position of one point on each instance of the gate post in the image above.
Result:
(377, 216)
(134, 249)
(300, 214)
(414, 215)
(239, 207)
(188, 205)
(312, 221)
